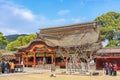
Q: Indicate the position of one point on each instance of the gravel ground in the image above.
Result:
(46, 76)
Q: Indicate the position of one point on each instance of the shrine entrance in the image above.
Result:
(38, 54)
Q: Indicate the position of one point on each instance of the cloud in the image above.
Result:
(63, 12)
(9, 31)
(76, 20)
(17, 10)
(24, 13)
(16, 19)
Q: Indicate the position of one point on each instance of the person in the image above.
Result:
(3, 66)
(86, 65)
(111, 69)
(91, 64)
(7, 65)
(12, 67)
(44, 61)
(106, 68)
(53, 68)
(0, 66)
(22, 63)
(115, 69)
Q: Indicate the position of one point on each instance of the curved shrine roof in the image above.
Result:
(70, 36)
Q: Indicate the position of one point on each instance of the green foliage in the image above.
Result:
(20, 41)
(13, 37)
(3, 40)
(113, 43)
(0, 54)
(108, 23)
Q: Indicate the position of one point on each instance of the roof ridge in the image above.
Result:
(68, 26)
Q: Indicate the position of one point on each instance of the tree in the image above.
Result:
(0, 54)
(75, 53)
(3, 41)
(109, 22)
(20, 41)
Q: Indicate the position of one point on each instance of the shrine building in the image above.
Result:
(109, 55)
(51, 44)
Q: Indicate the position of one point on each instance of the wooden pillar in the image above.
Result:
(23, 62)
(34, 59)
(23, 56)
(26, 59)
(66, 59)
(52, 58)
(44, 58)
(19, 59)
(96, 66)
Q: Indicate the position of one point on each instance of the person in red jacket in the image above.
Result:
(115, 69)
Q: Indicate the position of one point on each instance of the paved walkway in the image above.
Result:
(36, 70)
(32, 70)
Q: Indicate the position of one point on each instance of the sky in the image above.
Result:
(29, 16)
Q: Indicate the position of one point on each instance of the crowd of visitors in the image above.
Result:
(7, 66)
(111, 69)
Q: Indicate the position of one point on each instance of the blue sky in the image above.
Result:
(28, 16)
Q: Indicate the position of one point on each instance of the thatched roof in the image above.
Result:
(8, 56)
(108, 51)
(34, 42)
(31, 43)
(76, 39)
(68, 29)
(69, 36)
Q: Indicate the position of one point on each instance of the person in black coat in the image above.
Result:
(111, 70)
(2, 66)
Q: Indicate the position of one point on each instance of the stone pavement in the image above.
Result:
(30, 70)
